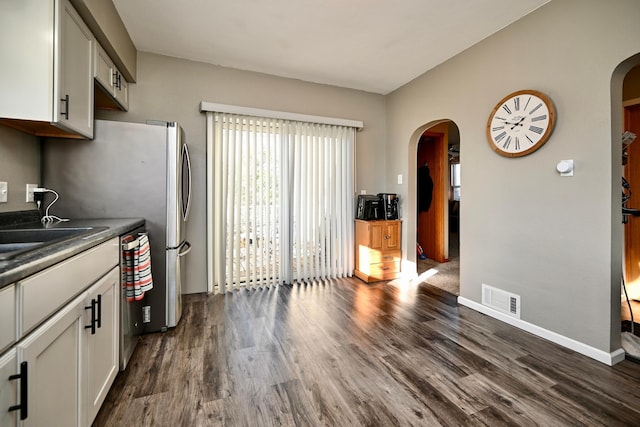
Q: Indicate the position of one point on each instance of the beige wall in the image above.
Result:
(171, 89)
(555, 241)
(19, 165)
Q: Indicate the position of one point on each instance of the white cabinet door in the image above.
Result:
(111, 82)
(75, 84)
(102, 340)
(26, 74)
(53, 355)
(122, 92)
(9, 390)
(7, 317)
(103, 69)
(46, 77)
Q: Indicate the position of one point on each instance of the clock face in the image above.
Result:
(520, 123)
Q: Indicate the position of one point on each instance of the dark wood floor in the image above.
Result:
(344, 353)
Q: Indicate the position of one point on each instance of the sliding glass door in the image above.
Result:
(282, 201)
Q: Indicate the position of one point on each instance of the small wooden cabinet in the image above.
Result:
(378, 253)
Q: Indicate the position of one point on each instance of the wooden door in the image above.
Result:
(632, 175)
(375, 235)
(432, 151)
(392, 235)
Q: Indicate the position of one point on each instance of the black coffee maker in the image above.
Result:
(389, 205)
(369, 207)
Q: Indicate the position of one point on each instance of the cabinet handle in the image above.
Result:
(117, 82)
(65, 113)
(23, 377)
(99, 317)
(92, 326)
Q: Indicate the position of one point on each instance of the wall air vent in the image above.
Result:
(500, 300)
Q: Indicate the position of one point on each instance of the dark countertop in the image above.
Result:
(32, 262)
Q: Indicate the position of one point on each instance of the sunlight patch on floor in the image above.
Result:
(408, 286)
(424, 276)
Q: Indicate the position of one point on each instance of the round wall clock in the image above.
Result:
(521, 123)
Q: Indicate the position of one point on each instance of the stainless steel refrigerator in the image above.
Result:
(131, 170)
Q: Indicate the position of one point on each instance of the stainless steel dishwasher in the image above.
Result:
(130, 311)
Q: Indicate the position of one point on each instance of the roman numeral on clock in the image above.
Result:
(536, 107)
(507, 142)
(516, 103)
(500, 136)
(536, 129)
(537, 119)
(507, 109)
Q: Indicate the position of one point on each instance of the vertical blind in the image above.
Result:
(281, 199)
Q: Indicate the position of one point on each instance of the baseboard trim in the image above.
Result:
(592, 352)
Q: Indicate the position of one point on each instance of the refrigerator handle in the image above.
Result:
(185, 154)
(185, 248)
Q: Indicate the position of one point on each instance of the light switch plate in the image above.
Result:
(4, 192)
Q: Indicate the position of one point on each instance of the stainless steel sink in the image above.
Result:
(16, 242)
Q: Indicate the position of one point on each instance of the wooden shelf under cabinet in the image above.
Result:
(378, 253)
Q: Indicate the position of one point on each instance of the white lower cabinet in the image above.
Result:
(9, 389)
(53, 354)
(102, 341)
(70, 362)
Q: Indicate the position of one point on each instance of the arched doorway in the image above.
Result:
(625, 94)
(631, 198)
(437, 196)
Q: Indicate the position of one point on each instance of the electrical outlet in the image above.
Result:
(30, 188)
(4, 192)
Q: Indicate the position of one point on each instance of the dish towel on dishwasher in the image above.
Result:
(137, 270)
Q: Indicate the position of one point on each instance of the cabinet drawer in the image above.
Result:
(7, 317)
(43, 293)
(384, 268)
(389, 256)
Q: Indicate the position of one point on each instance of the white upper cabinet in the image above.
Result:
(112, 91)
(46, 78)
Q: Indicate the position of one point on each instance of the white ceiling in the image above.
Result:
(371, 45)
